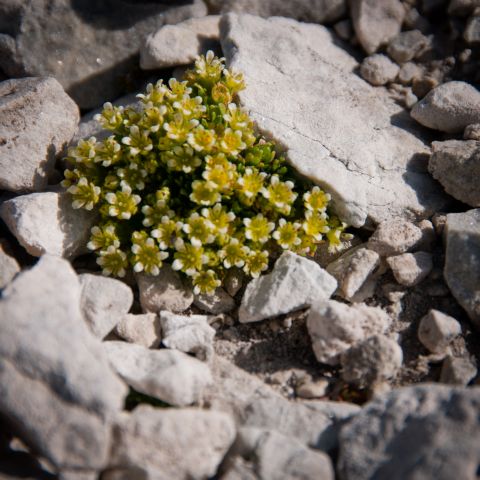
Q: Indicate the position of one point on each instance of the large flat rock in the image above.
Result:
(347, 136)
(57, 389)
(89, 46)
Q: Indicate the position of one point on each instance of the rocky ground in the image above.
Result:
(355, 365)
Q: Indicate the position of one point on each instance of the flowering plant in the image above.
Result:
(184, 179)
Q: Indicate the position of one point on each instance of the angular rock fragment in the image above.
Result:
(46, 222)
(378, 70)
(276, 456)
(56, 386)
(168, 375)
(449, 107)
(410, 269)
(373, 173)
(166, 291)
(103, 301)
(376, 22)
(294, 283)
(218, 302)
(472, 132)
(89, 46)
(353, 269)
(142, 329)
(189, 334)
(472, 30)
(457, 371)
(456, 165)
(335, 327)
(407, 45)
(180, 44)
(37, 120)
(393, 237)
(374, 360)
(437, 330)
(166, 444)
(313, 423)
(462, 261)
(424, 431)
(9, 267)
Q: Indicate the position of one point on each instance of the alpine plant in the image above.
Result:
(184, 179)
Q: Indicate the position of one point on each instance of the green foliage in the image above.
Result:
(184, 179)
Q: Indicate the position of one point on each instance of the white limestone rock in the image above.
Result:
(166, 291)
(376, 23)
(9, 267)
(141, 329)
(335, 327)
(37, 120)
(462, 261)
(458, 371)
(353, 269)
(46, 222)
(103, 301)
(378, 69)
(57, 388)
(189, 334)
(450, 107)
(169, 375)
(302, 92)
(167, 444)
(179, 44)
(294, 283)
(410, 269)
(395, 236)
(218, 302)
(372, 361)
(276, 456)
(437, 330)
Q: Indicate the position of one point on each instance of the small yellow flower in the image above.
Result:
(138, 141)
(221, 93)
(237, 118)
(234, 80)
(85, 194)
(155, 93)
(178, 128)
(108, 152)
(190, 107)
(205, 282)
(204, 193)
(231, 142)
(316, 199)
(251, 182)
(219, 218)
(113, 261)
(199, 230)
(123, 204)
(315, 224)
(256, 263)
(111, 117)
(178, 90)
(287, 234)
(202, 139)
(217, 160)
(146, 255)
(103, 237)
(337, 239)
(209, 68)
(182, 159)
(258, 228)
(233, 254)
(280, 194)
(166, 232)
(153, 117)
(85, 151)
(132, 176)
(188, 258)
(221, 178)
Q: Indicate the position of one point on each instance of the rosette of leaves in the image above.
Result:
(184, 179)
